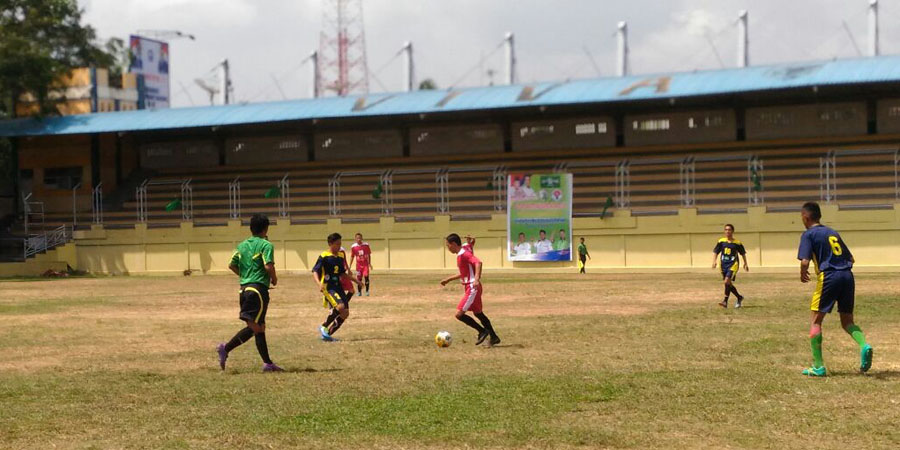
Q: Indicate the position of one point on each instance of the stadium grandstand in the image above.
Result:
(717, 142)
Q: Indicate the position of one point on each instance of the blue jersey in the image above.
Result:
(824, 247)
(730, 251)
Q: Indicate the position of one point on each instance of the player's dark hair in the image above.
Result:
(521, 233)
(334, 237)
(729, 225)
(562, 230)
(258, 224)
(454, 238)
(358, 234)
(542, 231)
(582, 239)
(812, 208)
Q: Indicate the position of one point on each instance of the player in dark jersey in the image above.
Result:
(329, 272)
(731, 250)
(254, 262)
(834, 285)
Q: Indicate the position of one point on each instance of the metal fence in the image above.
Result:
(46, 241)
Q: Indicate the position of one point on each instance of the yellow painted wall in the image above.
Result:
(622, 242)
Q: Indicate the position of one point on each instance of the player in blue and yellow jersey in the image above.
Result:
(833, 261)
(330, 273)
(732, 250)
(254, 263)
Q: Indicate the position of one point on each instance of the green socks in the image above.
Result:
(815, 343)
(856, 333)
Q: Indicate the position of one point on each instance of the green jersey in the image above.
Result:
(561, 244)
(251, 258)
(582, 250)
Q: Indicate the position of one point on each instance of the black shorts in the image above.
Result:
(834, 287)
(254, 300)
(583, 258)
(730, 272)
(334, 296)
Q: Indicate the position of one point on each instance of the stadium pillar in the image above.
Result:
(743, 54)
(872, 46)
(509, 44)
(409, 74)
(225, 89)
(622, 50)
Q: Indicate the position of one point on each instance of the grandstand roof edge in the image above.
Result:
(857, 71)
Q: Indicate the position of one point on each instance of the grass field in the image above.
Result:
(642, 361)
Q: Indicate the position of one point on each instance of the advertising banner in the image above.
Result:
(150, 58)
(539, 217)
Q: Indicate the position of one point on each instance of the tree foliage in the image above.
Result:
(427, 85)
(40, 41)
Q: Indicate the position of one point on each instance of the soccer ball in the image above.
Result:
(443, 339)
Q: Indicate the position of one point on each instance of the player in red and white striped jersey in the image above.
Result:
(470, 275)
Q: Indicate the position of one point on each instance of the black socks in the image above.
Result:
(471, 322)
(263, 348)
(487, 324)
(239, 338)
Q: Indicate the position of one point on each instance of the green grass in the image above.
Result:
(586, 362)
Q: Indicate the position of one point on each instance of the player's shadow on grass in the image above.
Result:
(507, 346)
(311, 370)
(877, 374)
(372, 339)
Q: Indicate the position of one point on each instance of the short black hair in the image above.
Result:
(729, 225)
(582, 239)
(454, 238)
(562, 230)
(334, 237)
(521, 233)
(812, 208)
(542, 231)
(258, 224)
(359, 234)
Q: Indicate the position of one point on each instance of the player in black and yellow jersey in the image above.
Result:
(835, 286)
(330, 269)
(254, 262)
(732, 250)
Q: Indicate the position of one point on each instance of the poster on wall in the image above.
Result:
(539, 217)
(150, 58)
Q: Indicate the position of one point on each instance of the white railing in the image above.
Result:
(42, 242)
(75, 205)
(234, 198)
(284, 199)
(97, 203)
(187, 200)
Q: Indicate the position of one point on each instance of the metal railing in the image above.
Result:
(623, 184)
(687, 173)
(142, 197)
(46, 241)
(234, 198)
(75, 205)
(334, 194)
(828, 177)
(97, 203)
(284, 197)
(187, 200)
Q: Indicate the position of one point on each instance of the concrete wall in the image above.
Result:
(622, 242)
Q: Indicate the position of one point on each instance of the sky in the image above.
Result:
(456, 41)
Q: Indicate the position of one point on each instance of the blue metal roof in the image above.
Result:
(598, 90)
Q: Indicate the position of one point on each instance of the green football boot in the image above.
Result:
(865, 358)
(814, 371)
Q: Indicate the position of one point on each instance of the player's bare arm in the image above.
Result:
(744, 259)
(447, 280)
(270, 269)
(234, 268)
(715, 259)
(804, 271)
(477, 281)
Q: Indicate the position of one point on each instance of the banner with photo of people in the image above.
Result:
(539, 217)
